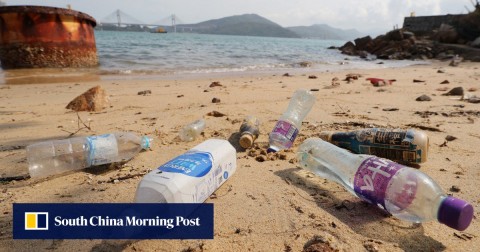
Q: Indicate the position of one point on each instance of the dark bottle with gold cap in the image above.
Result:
(408, 146)
(249, 131)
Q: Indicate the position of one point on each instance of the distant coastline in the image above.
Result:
(245, 25)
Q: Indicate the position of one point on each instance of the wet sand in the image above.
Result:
(265, 206)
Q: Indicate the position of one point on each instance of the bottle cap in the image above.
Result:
(146, 142)
(455, 213)
(246, 141)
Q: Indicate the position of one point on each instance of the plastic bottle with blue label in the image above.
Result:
(59, 156)
(406, 193)
(286, 130)
(406, 146)
(191, 177)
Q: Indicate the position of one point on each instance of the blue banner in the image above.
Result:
(112, 221)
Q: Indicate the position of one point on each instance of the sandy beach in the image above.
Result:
(265, 206)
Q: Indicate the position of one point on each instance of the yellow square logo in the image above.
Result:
(36, 221)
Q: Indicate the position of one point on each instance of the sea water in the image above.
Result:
(177, 55)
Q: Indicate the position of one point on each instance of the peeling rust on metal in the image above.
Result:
(39, 36)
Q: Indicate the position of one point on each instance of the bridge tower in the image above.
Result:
(119, 18)
(174, 23)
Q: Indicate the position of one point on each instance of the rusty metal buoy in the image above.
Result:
(40, 36)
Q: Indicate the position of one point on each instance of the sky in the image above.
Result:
(367, 16)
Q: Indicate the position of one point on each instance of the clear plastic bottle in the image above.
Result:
(191, 177)
(59, 156)
(288, 126)
(249, 131)
(191, 131)
(408, 146)
(406, 193)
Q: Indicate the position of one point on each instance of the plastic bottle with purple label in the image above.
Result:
(406, 193)
(286, 130)
(59, 156)
(191, 177)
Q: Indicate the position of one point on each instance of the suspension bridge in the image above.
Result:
(119, 18)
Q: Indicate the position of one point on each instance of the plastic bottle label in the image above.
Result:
(390, 144)
(286, 129)
(103, 149)
(372, 179)
(193, 164)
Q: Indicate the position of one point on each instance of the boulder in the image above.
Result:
(362, 43)
(395, 35)
(446, 34)
(94, 99)
(476, 43)
(348, 48)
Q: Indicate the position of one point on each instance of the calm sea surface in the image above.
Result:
(170, 55)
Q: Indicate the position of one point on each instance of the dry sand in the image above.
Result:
(265, 206)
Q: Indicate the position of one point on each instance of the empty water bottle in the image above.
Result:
(192, 130)
(409, 146)
(288, 126)
(191, 177)
(249, 131)
(406, 193)
(59, 156)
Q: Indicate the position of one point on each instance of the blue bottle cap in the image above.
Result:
(455, 213)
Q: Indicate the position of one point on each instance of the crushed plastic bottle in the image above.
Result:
(406, 146)
(59, 156)
(249, 131)
(406, 193)
(191, 131)
(191, 177)
(286, 130)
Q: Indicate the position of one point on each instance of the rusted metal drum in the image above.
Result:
(39, 36)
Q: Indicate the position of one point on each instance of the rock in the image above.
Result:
(180, 96)
(455, 91)
(144, 92)
(261, 158)
(363, 43)
(332, 47)
(312, 76)
(94, 99)
(314, 89)
(215, 100)
(472, 89)
(215, 114)
(416, 81)
(216, 84)
(390, 109)
(476, 42)
(395, 35)
(450, 138)
(423, 98)
(348, 49)
(440, 71)
(445, 82)
(287, 75)
(305, 64)
(446, 34)
(409, 35)
(455, 189)
(335, 81)
(442, 89)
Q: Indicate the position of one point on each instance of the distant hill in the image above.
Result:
(246, 25)
(323, 31)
